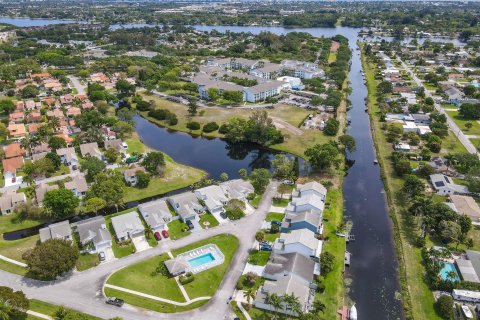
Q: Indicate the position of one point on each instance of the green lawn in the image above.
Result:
(256, 200)
(274, 216)
(259, 258)
(12, 222)
(476, 142)
(13, 268)
(87, 261)
(207, 220)
(139, 277)
(142, 277)
(175, 229)
(277, 202)
(14, 249)
(207, 282)
(460, 121)
(176, 176)
(50, 309)
(271, 236)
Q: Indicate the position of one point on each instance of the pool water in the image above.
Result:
(201, 260)
(447, 268)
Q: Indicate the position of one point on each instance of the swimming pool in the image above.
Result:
(201, 260)
(446, 270)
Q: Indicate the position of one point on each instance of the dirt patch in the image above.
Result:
(283, 125)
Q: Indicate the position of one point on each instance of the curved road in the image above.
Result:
(83, 290)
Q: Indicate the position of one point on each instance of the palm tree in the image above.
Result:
(5, 309)
(54, 123)
(148, 231)
(249, 295)
(451, 276)
(318, 307)
(275, 301)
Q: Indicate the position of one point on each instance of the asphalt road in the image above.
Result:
(453, 126)
(83, 290)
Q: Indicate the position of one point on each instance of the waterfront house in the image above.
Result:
(156, 214)
(186, 205)
(94, 231)
(214, 198)
(281, 265)
(301, 241)
(41, 190)
(128, 226)
(444, 185)
(309, 219)
(237, 189)
(59, 230)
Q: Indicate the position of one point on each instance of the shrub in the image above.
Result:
(235, 213)
(187, 278)
(173, 120)
(444, 307)
(193, 125)
(239, 285)
(274, 228)
(223, 129)
(210, 127)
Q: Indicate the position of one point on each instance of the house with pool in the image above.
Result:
(195, 261)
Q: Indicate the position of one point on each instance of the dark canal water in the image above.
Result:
(211, 155)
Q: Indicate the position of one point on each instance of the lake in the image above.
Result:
(27, 22)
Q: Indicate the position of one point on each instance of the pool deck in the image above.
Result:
(218, 257)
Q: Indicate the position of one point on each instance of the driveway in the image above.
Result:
(83, 290)
(109, 256)
(76, 83)
(140, 243)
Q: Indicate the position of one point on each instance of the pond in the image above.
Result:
(28, 22)
(212, 155)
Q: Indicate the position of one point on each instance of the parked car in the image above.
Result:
(265, 248)
(115, 301)
(190, 225)
(165, 234)
(288, 182)
(101, 256)
(223, 214)
(157, 236)
(278, 223)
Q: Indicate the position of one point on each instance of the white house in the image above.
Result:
(156, 214)
(263, 91)
(301, 69)
(214, 198)
(444, 185)
(466, 295)
(68, 156)
(59, 230)
(94, 230)
(127, 226)
(301, 241)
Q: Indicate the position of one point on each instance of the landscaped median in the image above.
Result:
(147, 285)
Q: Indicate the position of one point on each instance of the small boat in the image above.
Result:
(375, 161)
(467, 312)
(353, 313)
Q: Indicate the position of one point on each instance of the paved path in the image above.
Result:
(453, 126)
(18, 263)
(149, 296)
(39, 315)
(76, 83)
(182, 289)
(245, 313)
(83, 290)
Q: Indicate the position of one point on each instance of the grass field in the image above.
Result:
(207, 220)
(87, 261)
(460, 121)
(274, 216)
(139, 277)
(175, 229)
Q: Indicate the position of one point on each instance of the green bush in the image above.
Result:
(223, 129)
(173, 120)
(210, 127)
(235, 213)
(444, 307)
(193, 125)
(187, 278)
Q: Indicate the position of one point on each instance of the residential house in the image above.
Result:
(308, 202)
(94, 231)
(466, 205)
(14, 150)
(10, 168)
(466, 295)
(130, 175)
(421, 118)
(309, 219)
(301, 241)
(453, 95)
(127, 226)
(156, 214)
(419, 129)
(34, 117)
(214, 198)
(310, 188)
(9, 200)
(288, 285)
(438, 164)
(67, 99)
(41, 190)
(78, 185)
(237, 189)
(16, 117)
(402, 147)
(16, 130)
(91, 149)
(281, 265)
(267, 70)
(185, 205)
(444, 185)
(73, 111)
(68, 156)
(116, 144)
(59, 230)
